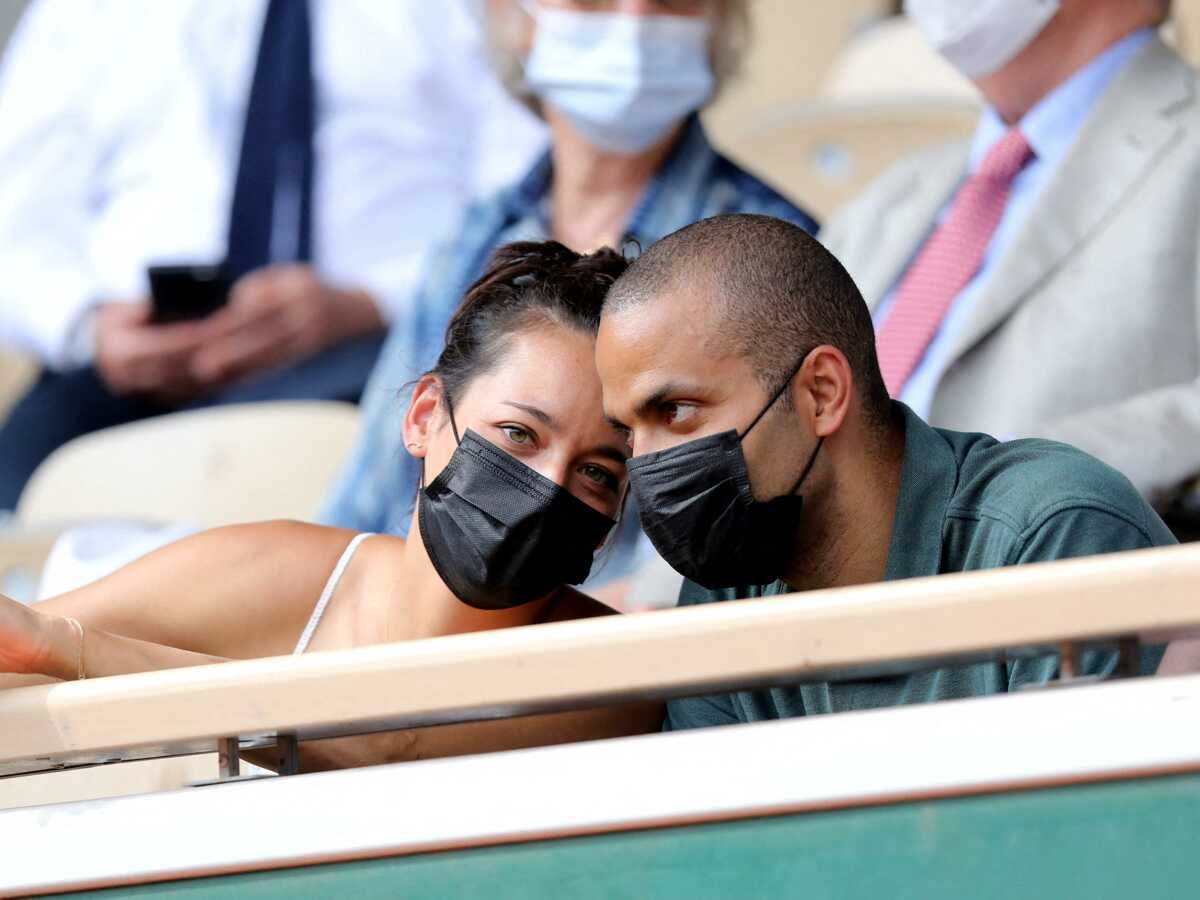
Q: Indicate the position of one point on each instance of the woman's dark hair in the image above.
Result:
(524, 282)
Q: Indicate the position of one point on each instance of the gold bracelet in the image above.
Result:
(74, 623)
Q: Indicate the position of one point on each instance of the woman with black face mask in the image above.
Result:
(523, 481)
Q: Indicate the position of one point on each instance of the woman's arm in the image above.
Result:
(1182, 657)
(231, 593)
(36, 643)
(241, 591)
(38, 647)
(441, 741)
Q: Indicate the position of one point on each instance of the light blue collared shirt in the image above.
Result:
(1050, 127)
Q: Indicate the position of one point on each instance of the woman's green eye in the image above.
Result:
(600, 475)
(516, 435)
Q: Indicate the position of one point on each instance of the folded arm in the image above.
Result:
(1152, 438)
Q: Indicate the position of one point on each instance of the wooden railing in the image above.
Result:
(1152, 595)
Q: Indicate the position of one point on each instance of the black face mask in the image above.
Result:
(697, 509)
(499, 534)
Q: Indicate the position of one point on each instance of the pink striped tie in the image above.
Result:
(948, 261)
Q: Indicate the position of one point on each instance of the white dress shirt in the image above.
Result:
(120, 129)
(78, 120)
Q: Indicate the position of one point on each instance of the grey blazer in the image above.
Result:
(1089, 329)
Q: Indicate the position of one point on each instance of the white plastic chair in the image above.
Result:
(17, 372)
(822, 154)
(892, 60)
(210, 467)
(793, 44)
(1183, 30)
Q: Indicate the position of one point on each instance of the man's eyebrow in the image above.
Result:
(617, 424)
(544, 417)
(656, 399)
(649, 403)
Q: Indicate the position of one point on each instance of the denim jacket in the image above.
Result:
(377, 485)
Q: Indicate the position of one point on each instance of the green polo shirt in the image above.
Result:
(966, 501)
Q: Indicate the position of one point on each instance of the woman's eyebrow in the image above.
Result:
(608, 451)
(544, 417)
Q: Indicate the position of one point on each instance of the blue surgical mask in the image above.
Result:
(623, 81)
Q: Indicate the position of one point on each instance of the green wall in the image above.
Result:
(1130, 839)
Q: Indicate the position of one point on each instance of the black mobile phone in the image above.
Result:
(183, 292)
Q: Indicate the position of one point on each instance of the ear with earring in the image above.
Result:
(414, 445)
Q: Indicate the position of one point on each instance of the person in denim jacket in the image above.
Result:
(620, 86)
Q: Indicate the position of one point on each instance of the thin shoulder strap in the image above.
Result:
(330, 587)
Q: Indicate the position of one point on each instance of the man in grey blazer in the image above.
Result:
(1059, 298)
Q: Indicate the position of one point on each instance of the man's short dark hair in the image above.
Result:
(780, 293)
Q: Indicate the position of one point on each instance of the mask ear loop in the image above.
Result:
(453, 427)
(779, 393)
(808, 466)
(453, 424)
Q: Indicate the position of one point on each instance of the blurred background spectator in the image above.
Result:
(619, 85)
(829, 97)
(1040, 280)
(317, 148)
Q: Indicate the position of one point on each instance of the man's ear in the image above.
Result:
(823, 388)
(422, 416)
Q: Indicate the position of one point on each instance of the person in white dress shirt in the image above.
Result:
(121, 126)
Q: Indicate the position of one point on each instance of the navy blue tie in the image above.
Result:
(271, 215)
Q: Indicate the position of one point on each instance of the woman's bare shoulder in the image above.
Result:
(381, 555)
(324, 542)
(276, 530)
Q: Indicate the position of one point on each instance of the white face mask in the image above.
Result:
(979, 37)
(623, 81)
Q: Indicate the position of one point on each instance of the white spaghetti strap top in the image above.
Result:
(330, 587)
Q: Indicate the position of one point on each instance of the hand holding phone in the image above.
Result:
(184, 292)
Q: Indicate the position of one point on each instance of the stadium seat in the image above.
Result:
(209, 467)
(17, 372)
(1183, 32)
(23, 553)
(822, 154)
(792, 46)
(890, 59)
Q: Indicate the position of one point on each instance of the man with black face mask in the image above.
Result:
(768, 458)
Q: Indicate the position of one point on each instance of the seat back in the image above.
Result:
(17, 372)
(211, 467)
(792, 45)
(892, 60)
(822, 154)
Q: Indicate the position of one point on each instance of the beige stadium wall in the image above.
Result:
(796, 41)
(794, 118)
(16, 370)
(1186, 14)
(793, 44)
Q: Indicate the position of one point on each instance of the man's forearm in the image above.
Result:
(1152, 438)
